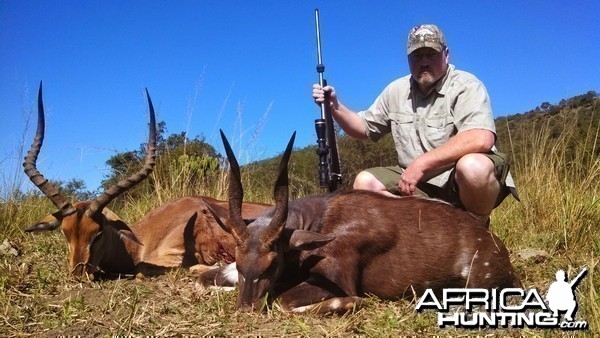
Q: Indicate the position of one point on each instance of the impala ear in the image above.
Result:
(129, 235)
(308, 240)
(123, 230)
(48, 223)
(110, 215)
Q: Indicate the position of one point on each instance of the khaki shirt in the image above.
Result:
(421, 123)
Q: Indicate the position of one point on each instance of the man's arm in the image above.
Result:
(461, 144)
(347, 119)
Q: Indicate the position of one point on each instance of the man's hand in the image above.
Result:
(318, 95)
(466, 142)
(348, 120)
(409, 179)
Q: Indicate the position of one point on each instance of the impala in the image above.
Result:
(324, 253)
(180, 233)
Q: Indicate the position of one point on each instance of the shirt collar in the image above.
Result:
(442, 85)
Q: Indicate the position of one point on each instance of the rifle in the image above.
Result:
(330, 175)
(576, 280)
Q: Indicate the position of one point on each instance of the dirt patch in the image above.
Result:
(75, 331)
(91, 297)
(536, 255)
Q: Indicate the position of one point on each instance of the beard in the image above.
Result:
(426, 79)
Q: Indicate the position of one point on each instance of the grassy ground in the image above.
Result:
(556, 226)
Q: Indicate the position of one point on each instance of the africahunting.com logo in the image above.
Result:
(512, 307)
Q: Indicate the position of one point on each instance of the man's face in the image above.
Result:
(427, 66)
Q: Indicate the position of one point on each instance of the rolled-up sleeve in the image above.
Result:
(377, 117)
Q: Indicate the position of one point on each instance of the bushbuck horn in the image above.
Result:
(123, 185)
(235, 194)
(64, 206)
(281, 193)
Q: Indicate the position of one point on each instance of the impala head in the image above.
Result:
(259, 253)
(88, 226)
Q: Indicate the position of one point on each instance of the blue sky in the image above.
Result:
(248, 67)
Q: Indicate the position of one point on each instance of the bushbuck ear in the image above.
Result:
(48, 223)
(217, 217)
(308, 240)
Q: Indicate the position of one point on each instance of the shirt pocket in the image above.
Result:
(439, 131)
(402, 127)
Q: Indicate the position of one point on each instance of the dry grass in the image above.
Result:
(559, 214)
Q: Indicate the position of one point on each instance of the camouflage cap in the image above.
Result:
(425, 36)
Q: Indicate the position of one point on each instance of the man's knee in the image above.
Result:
(367, 181)
(477, 183)
(474, 169)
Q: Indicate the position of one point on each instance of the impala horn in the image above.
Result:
(64, 206)
(111, 193)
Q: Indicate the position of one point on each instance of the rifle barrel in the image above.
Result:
(320, 65)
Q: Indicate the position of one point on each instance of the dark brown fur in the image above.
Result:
(396, 247)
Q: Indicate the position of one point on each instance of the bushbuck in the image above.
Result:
(324, 253)
(179, 233)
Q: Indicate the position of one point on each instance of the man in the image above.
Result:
(561, 296)
(443, 128)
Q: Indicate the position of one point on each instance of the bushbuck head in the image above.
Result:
(259, 252)
(258, 260)
(87, 225)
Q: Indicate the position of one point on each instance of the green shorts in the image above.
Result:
(390, 176)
